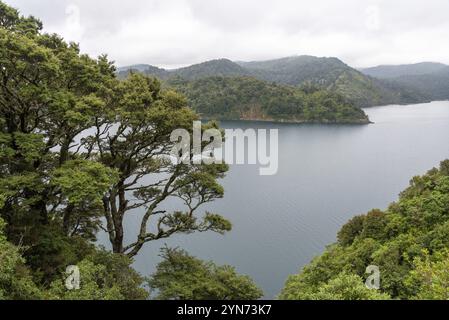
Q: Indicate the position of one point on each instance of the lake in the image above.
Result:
(327, 174)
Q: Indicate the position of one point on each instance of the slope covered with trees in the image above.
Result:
(334, 75)
(409, 242)
(222, 89)
(212, 68)
(430, 80)
(183, 277)
(326, 73)
(395, 71)
(252, 99)
(434, 85)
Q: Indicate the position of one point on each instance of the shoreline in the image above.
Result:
(356, 123)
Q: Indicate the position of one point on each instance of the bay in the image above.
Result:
(327, 174)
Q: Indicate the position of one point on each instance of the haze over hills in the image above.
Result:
(333, 74)
(395, 71)
(297, 70)
(326, 73)
(223, 89)
(428, 78)
(212, 68)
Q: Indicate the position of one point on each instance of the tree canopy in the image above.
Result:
(247, 98)
(80, 150)
(408, 242)
(183, 277)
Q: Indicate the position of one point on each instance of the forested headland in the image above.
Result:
(246, 98)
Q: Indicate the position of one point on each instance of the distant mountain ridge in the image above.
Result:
(429, 78)
(395, 71)
(212, 68)
(297, 70)
(327, 73)
(333, 74)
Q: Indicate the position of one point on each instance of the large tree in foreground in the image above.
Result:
(133, 139)
(50, 197)
(79, 147)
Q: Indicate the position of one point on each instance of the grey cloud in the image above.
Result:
(178, 32)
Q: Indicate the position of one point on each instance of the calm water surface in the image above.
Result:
(327, 174)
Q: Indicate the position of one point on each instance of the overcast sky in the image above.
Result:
(172, 33)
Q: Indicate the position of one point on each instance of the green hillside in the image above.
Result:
(333, 74)
(428, 79)
(395, 71)
(326, 73)
(252, 99)
(407, 242)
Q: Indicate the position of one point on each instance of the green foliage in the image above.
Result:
(408, 242)
(343, 287)
(351, 230)
(374, 225)
(213, 68)
(252, 99)
(181, 276)
(52, 251)
(79, 150)
(427, 79)
(83, 181)
(103, 276)
(11, 20)
(326, 73)
(15, 279)
(430, 278)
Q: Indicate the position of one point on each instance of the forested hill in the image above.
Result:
(246, 98)
(327, 73)
(219, 67)
(395, 71)
(431, 79)
(408, 243)
(334, 75)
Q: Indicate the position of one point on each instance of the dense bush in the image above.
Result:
(248, 98)
(408, 242)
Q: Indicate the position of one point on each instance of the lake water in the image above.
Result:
(327, 174)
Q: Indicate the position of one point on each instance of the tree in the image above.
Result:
(15, 278)
(103, 276)
(77, 144)
(430, 278)
(374, 225)
(246, 97)
(144, 118)
(351, 230)
(48, 95)
(408, 243)
(345, 287)
(11, 20)
(181, 276)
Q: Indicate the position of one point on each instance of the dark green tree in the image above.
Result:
(183, 277)
(133, 139)
(16, 282)
(78, 145)
(408, 242)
